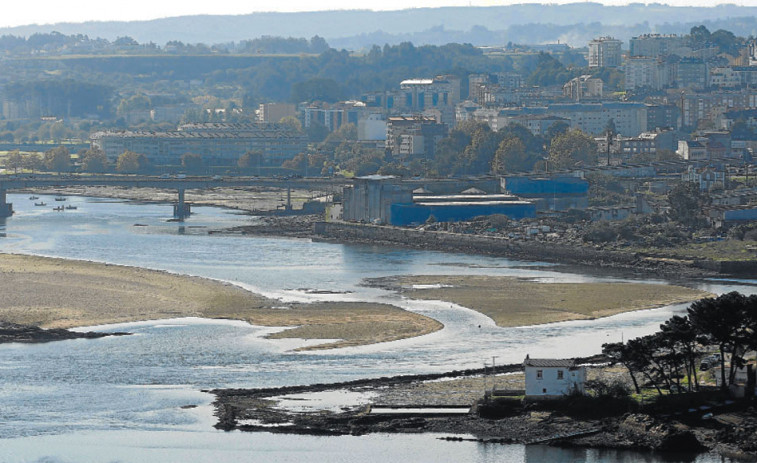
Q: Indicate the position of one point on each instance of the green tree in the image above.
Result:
(571, 149)
(14, 161)
(94, 160)
(33, 162)
(293, 122)
(193, 163)
(130, 162)
(686, 201)
(251, 159)
(511, 156)
(58, 159)
(726, 321)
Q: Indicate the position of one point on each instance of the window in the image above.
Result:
(539, 374)
(559, 374)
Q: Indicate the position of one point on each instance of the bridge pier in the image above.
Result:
(6, 208)
(181, 210)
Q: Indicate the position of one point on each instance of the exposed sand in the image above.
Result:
(511, 301)
(58, 293)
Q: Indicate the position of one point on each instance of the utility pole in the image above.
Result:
(494, 373)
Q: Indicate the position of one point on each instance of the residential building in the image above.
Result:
(333, 116)
(274, 112)
(653, 45)
(692, 73)
(553, 378)
(537, 124)
(692, 150)
(420, 94)
(371, 127)
(697, 106)
(410, 137)
(708, 177)
(605, 52)
(647, 72)
(583, 88)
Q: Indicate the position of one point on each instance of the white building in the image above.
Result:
(552, 378)
(605, 52)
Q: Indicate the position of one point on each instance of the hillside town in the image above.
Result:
(610, 178)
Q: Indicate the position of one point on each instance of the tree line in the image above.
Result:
(669, 359)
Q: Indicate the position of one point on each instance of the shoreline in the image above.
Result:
(257, 410)
(587, 259)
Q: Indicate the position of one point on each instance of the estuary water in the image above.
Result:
(139, 398)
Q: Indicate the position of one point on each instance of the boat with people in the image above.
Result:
(59, 208)
(33, 197)
(60, 198)
(70, 207)
(41, 203)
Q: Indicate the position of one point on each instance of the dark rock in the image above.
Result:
(680, 442)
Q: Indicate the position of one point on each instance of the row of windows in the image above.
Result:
(540, 374)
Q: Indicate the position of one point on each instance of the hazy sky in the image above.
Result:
(21, 12)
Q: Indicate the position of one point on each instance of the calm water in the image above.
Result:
(121, 399)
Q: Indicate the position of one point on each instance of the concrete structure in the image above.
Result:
(370, 198)
(605, 52)
(709, 106)
(708, 178)
(217, 143)
(653, 45)
(421, 94)
(692, 150)
(372, 127)
(6, 208)
(411, 137)
(274, 112)
(553, 378)
(333, 116)
(181, 209)
(536, 124)
(648, 72)
(692, 73)
(583, 88)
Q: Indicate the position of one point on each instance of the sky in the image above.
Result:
(23, 12)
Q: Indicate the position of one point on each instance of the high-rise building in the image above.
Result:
(605, 52)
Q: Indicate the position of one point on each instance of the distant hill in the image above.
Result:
(527, 23)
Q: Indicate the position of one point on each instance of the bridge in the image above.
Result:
(181, 208)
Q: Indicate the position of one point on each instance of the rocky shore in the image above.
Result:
(731, 431)
(12, 332)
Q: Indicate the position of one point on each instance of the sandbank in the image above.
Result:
(512, 301)
(59, 293)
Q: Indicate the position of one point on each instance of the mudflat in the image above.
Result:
(59, 293)
(512, 301)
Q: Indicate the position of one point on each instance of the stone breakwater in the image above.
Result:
(512, 248)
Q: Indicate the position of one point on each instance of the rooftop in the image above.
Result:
(549, 363)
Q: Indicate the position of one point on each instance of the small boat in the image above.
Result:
(70, 208)
(33, 197)
(60, 198)
(42, 203)
(59, 208)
